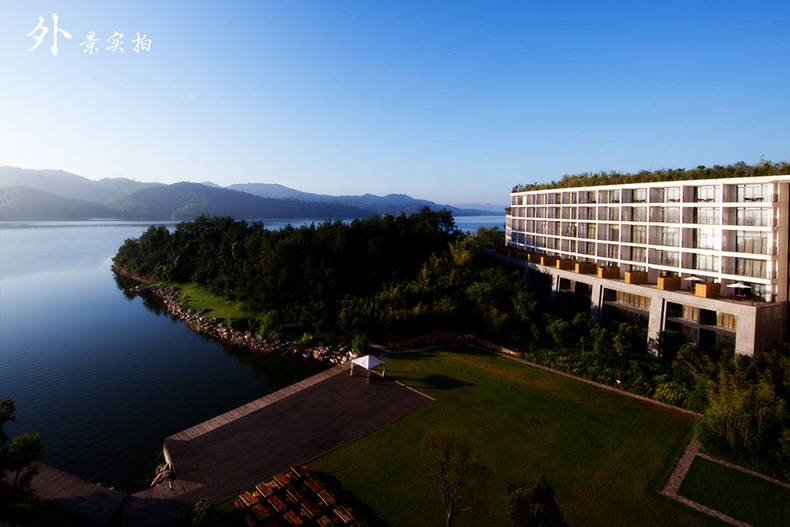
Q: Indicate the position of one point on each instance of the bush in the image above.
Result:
(201, 510)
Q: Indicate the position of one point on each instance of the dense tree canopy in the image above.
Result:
(17, 460)
(302, 271)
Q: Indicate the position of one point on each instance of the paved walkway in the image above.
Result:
(76, 495)
(235, 451)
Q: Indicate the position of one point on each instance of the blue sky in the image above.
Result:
(455, 102)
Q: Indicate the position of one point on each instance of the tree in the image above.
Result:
(17, 459)
(628, 341)
(533, 505)
(456, 470)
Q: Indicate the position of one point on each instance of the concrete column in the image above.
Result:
(596, 301)
(656, 323)
(555, 286)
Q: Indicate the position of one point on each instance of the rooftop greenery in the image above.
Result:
(589, 179)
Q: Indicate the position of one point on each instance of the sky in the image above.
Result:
(451, 101)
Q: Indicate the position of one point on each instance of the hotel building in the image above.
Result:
(708, 258)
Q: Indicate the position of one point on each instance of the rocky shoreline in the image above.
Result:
(211, 327)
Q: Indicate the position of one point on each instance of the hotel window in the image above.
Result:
(707, 194)
(614, 196)
(635, 214)
(672, 195)
(670, 236)
(705, 262)
(614, 233)
(706, 239)
(587, 231)
(636, 254)
(639, 195)
(706, 216)
(630, 299)
(753, 193)
(670, 215)
(638, 234)
(753, 217)
(751, 242)
(668, 258)
(747, 267)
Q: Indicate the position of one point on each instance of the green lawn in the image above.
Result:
(201, 297)
(736, 494)
(605, 454)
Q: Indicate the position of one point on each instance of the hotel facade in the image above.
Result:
(708, 258)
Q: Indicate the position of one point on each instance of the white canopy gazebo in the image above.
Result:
(368, 362)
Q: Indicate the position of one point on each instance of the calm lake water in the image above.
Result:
(105, 377)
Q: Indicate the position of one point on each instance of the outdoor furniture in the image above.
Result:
(310, 507)
(277, 503)
(260, 511)
(265, 489)
(300, 471)
(313, 485)
(296, 493)
(293, 518)
(248, 499)
(344, 514)
(325, 496)
(283, 480)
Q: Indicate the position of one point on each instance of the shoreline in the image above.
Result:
(212, 328)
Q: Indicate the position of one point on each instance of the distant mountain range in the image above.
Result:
(30, 195)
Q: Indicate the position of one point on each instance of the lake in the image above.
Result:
(105, 377)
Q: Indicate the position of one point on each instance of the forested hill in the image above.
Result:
(28, 195)
(181, 201)
(389, 204)
(589, 179)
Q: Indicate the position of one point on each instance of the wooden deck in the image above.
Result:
(237, 450)
(81, 497)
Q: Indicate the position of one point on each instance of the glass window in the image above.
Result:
(614, 196)
(747, 267)
(705, 262)
(638, 234)
(706, 239)
(639, 195)
(670, 215)
(751, 242)
(753, 217)
(706, 194)
(670, 236)
(754, 193)
(707, 216)
(668, 258)
(672, 195)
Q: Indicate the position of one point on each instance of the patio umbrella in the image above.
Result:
(739, 285)
(693, 278)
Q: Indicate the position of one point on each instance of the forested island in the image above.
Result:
(394, 277)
